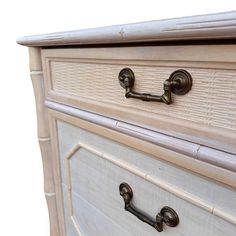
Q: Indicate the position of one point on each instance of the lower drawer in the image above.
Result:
(92, 168)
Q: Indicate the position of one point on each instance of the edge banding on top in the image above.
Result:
(201, 27)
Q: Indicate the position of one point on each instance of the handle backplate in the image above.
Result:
(167, 215)
(179, 83)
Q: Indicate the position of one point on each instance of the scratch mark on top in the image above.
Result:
(122, 32)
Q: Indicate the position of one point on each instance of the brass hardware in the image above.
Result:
(167, 215)
(179, 83)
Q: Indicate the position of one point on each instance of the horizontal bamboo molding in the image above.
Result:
(209, 155)
(212, 26)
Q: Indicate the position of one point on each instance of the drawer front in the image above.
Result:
(92, 168)
(88, 78)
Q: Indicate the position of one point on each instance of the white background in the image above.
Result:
(23, 208)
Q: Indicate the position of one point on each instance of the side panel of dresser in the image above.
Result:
(44, 138)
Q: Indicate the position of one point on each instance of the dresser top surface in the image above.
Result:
(194, 28)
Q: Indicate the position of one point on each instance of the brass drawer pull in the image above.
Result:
(179, 83)
(167, 215)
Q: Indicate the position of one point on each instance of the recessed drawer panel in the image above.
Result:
(92, 169)
(88, 78)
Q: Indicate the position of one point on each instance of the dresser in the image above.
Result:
(137, 127)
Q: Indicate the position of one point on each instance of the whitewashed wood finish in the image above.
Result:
(44, 138)
(204, 169)
(217, 158)
(201, 116)
(57, 174)
(101, 224)
(84, 165)
(210, 155)
(212, 26)
(71, 230)
(162, 140)
(93, 167)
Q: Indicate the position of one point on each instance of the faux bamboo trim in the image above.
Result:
(181, 146)
(44, 138)
(202, 27)
(150, 178)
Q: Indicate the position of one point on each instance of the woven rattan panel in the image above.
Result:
(212, 100)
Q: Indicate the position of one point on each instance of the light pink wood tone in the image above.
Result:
(217, 157)
(57, 174)
(221, 175)
(206, 154)
(44, 138)
(88, 79)
(212, 26)
(42, 119)
(35, 63)
(201, 203)
(213, 62)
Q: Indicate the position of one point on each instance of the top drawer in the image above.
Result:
(88, 78)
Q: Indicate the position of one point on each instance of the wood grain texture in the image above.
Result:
(71, 227)
(87, 215)
(93, 167)
(212, 26)
(201, 116)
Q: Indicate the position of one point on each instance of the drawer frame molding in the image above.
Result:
(205, 154)
(201, 203)
(201, 124)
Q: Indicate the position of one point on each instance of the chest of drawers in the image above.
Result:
(136, 125)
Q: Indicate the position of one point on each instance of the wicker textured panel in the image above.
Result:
(212, 100)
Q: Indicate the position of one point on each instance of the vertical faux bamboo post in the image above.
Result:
(44, 137)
